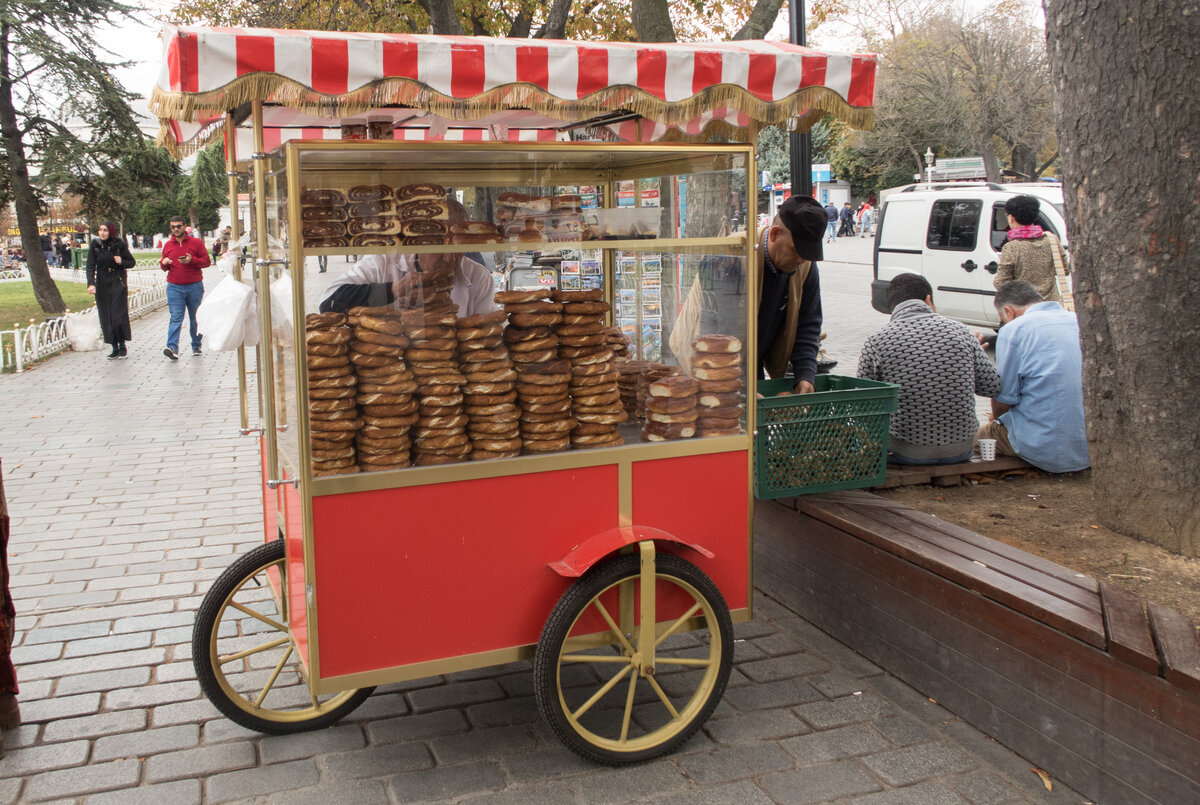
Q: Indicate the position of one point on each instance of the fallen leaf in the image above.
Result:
(1045, 778)
(36, 416)
(1094, 526)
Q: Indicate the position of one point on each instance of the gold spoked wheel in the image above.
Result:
(244, 656)
(631, 664)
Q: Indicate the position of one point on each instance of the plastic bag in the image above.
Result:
(281, 309)
(222, 314)
(253, 316)
(229, 257)
(83, 331)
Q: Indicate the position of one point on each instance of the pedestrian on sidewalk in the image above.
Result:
(108, 264)
(183, 258)
(831, 218)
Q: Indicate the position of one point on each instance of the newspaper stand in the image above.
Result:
(620, 571)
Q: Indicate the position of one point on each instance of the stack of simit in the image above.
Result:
(333, 412)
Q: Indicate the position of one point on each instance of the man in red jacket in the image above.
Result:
(183, 258)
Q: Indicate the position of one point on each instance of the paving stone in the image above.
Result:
(551, 761)
(556, 793)
(105, 614)
(904, 731)
(985, 788)
(82, 780)
(153, 695)
(836, 744)
(782, 693)
(779, 644)
(111, 724)
(376, 761)
(456, 695)
(634, 782)
(104, 681)
(1009, 763)
(278, 748)
(755, 726)
(180, 792)
(923, 794)
(36, 760)
(846, 710)
(106, 645)
(59, 707)
(745, 792)
(520, 710)
(147, 742)
(446, 783)
(835, 683)
(822, 783)
(739, 762)
(746, 651)
(379, 705)
(10, 790)
(345, 792)
(222, 729)
(912, 764)
(479, 743)
(59, 634)
(786, 667)
(262, 781)
(913, 701)
(199, 761)
(183, 712)
(417, 727)
(83, 665)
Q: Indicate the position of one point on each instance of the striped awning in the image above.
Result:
(439, 85)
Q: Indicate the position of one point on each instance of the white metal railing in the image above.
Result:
(23, 345)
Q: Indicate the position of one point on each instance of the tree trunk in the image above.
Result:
(760, 21)
(44, 290)
(652, 21)
(1130, 142)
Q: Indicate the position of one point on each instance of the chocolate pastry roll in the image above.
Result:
(322, 198)
(337, 214)
(382, 225)
(420, 192)
(374, 240)
(323, 229)
(369, 192)
(426, 210)
(370, 209)
(422, 226)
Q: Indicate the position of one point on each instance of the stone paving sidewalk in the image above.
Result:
(130, 491)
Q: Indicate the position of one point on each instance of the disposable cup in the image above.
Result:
(987, 449)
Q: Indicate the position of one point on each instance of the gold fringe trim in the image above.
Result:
(805, 106)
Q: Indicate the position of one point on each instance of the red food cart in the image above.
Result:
(618, 563)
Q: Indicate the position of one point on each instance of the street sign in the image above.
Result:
(822, 173)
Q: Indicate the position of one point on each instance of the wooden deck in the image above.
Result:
(1075, 675)
(949, 474)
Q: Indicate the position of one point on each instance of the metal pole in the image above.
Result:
(801, 144)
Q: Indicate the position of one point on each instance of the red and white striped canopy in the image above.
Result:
(457, 87)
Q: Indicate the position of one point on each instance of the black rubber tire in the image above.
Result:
(213, 680)
(552, 696)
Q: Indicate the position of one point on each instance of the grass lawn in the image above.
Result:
(18, 305)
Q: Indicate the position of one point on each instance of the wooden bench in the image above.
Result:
(1075, 675)
(947, 474)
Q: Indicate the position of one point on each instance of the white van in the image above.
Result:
(952, 235)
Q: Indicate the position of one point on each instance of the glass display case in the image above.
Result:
(476, 303)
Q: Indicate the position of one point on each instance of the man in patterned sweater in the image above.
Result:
(939, 367)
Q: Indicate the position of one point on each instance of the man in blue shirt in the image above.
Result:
(1038, 414)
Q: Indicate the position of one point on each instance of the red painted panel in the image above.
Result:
(432, 572)
(702, 499)
(293, 532)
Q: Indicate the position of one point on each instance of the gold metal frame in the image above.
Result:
(623, 457)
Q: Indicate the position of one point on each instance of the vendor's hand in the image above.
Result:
(92, 290)
(804, 387)
(117, 259)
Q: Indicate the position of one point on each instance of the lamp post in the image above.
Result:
(928, 168)
(800, 144)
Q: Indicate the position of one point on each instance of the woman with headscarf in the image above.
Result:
(108, 261)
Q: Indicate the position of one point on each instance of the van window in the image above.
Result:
(953, 225)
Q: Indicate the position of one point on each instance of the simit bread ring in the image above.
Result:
(578, 308)
(400, 424)
(724, 373)
(581, 340)
(482, 319)
(497, 445)
(342, 381)
(535, 319)
(540, 356)
(335, 393)
(502, 382)
(674, 386)
(585, 381)
(496, 423)
(475, 333)
(710, 399)
(368, 348)
(363, 335)
(592, 429)
(673, 430)
(514, 334)
(670, 405)
(551, 427)
(717, 343)
(491, 342)
(579, 329)
(430, 368)
(390, 410)
(594, 295)
(441, 442)
(703, 432)
(583, 318)
(588, 369)
(716, 360)
(511, 297)
(484, 355)
(342, 404)
(559, 407)
(489, 399)
(326, 455)
(534, 345)
(327, 350)
(330, 372)
(603, 419)
(489, 410)
(381, 325)
(533, 307)
(545, 445)
(720, 386)
(326, 361)
(479, 436)
(438, 389)
(323, 321)
(375, 361)
(690, 415)
(603, 398)
(528, 391)
(575, 353)
(335, 424)
(425, 317)
(399, 387)
(414, 355)
(377, 444)
(597, 440)
(487, 367)
(404, 403)
(338, 335)
(338, 464)
(597, 355)
(442, 400)
(487, 455)
(436, 332)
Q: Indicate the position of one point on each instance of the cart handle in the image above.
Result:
(592, 550)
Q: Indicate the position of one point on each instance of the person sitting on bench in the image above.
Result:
(939, 367)
(1038, 414)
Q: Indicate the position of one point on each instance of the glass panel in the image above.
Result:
(626, 256)
(953, 225)
(282, 343)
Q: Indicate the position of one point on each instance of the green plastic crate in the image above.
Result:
(834, 438)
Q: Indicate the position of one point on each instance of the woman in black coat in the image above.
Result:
(108, 261)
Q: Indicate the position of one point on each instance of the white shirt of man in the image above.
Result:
(473, 290)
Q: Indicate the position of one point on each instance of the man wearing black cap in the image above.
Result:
(789, 306)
